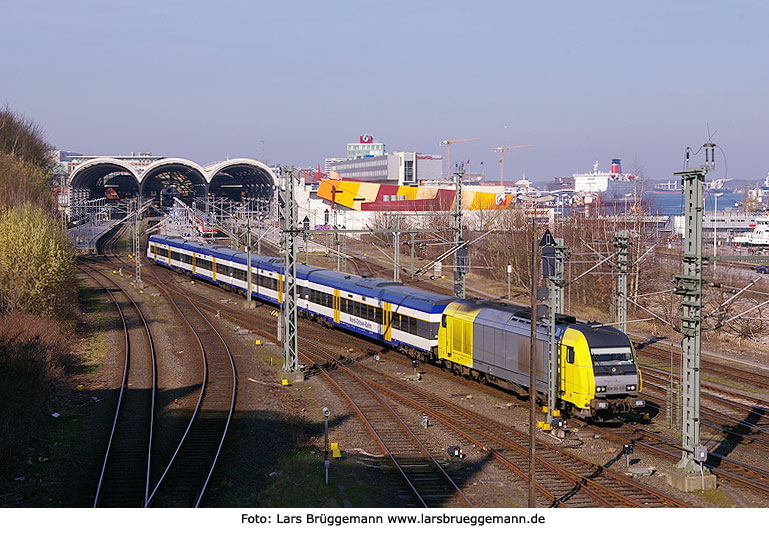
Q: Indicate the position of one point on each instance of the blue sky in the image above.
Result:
(580, 81)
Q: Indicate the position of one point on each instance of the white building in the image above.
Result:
(365, 148)
(400, 167)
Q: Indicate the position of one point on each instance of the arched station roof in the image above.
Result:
(232, 178)
(241, 175)
(185, 175)
(89, 173)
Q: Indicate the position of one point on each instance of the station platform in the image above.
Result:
(85, 237)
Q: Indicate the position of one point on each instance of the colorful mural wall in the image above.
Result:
(387, 197)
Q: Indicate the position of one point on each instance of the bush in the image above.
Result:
(36, 263)
(24, 183)
(32, 356)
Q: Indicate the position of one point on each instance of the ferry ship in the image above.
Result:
(758, 237)
(609, 187)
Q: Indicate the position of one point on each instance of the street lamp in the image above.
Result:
(715, 224)
(626, 196)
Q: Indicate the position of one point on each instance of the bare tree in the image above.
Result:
(23, 138)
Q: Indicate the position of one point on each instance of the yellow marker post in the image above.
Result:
(258, 342)
(284, 382)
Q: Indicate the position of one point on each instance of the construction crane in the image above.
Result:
(448, 143)
(501, 150)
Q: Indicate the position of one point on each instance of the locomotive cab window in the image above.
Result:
(570, 355)
(443, 321)
(612, 355)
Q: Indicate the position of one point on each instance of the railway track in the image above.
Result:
(186, 478)
(714, 373)
(430, 484)
(124, 477)
(722, 411)
(270, 327)
(744, 474)
(563, 478)
(573, 487)
(183, 478)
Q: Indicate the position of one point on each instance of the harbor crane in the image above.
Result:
(448, 143)
(501, 150)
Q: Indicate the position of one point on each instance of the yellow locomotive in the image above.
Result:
(490, 341)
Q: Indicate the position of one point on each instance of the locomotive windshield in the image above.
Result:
(619, 356)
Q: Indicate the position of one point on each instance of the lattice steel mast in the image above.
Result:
(460, 256)
(290, 346)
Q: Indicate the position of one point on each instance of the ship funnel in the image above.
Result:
(616, 167)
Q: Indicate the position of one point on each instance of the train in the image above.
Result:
(483, 339)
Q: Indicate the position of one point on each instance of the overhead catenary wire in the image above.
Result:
(744, 289)
(677, 330)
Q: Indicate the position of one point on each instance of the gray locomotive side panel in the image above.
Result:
(501, 348)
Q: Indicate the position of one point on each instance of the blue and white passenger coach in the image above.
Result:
(385, 310)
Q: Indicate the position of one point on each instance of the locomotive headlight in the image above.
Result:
(600, 388)
(630, 387)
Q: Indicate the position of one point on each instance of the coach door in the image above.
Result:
(193, 263)
(280, 288)
(566, 356)
(337, 304)
(387, 321)
(213, 268)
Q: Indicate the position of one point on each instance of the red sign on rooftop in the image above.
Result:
(366, 138)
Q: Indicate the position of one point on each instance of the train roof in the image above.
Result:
(413, 298)
(602, 336)
(390, 291)
(498, 310)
